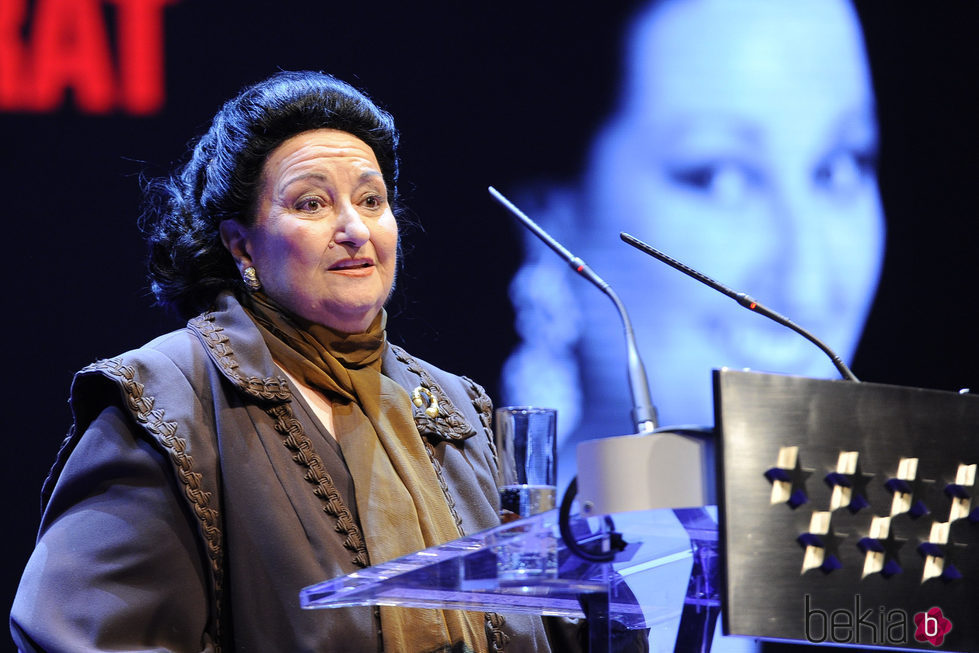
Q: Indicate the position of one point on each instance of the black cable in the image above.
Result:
(564, 525)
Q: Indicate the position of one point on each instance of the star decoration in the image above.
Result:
(908, 490)
(940, 555)
(849, 483)
(959, 493)
(822, 545)
(945, 555)
(881, 549)
(954, 552)
(933, 551)
(788, 478)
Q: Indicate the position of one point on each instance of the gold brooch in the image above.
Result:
(422, 397)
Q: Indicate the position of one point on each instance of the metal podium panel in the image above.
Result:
(848, 512)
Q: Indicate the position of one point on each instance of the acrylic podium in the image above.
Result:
(463, 575)
(837, 500)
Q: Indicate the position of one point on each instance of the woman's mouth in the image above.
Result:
(352, 265)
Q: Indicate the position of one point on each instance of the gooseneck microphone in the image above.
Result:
(741, 298)
(643, 411)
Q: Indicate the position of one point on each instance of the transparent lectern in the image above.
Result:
(847, 517)
(463, 575)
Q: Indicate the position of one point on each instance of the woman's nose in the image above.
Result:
(806, 272)
(351, 228)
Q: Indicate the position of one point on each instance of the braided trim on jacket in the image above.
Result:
(449, 423)
(481, 402)
(269, 389)
(484, 407)
(500, 639)
(295, 439)
(141, 406)
(449, 499)
(460, 428)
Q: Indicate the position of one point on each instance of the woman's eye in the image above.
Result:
(844, 171)
(373, 201)
(310, 204)
(725, 183)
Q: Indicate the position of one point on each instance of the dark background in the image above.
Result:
(484, 93)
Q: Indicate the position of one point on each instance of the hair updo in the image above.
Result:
(188, 263)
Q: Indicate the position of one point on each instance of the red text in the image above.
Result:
(57, 46)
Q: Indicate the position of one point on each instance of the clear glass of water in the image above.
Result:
(526, 443)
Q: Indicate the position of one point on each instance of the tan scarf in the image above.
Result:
(401, 505)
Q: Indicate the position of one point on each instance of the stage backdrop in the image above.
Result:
(96, 94)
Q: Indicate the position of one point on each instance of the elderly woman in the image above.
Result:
(279, 439)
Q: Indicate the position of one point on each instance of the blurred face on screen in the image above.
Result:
(744, 145)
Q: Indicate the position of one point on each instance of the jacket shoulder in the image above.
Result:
(440, 396)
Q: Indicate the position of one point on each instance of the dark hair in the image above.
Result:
(188, 263)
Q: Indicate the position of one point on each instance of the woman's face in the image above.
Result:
(745, 147)
(324, 240)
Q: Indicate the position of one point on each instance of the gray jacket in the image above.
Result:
(193, 498)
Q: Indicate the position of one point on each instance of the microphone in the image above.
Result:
(643, 411)
(742, 299)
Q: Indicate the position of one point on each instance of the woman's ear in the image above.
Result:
(235, 239)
